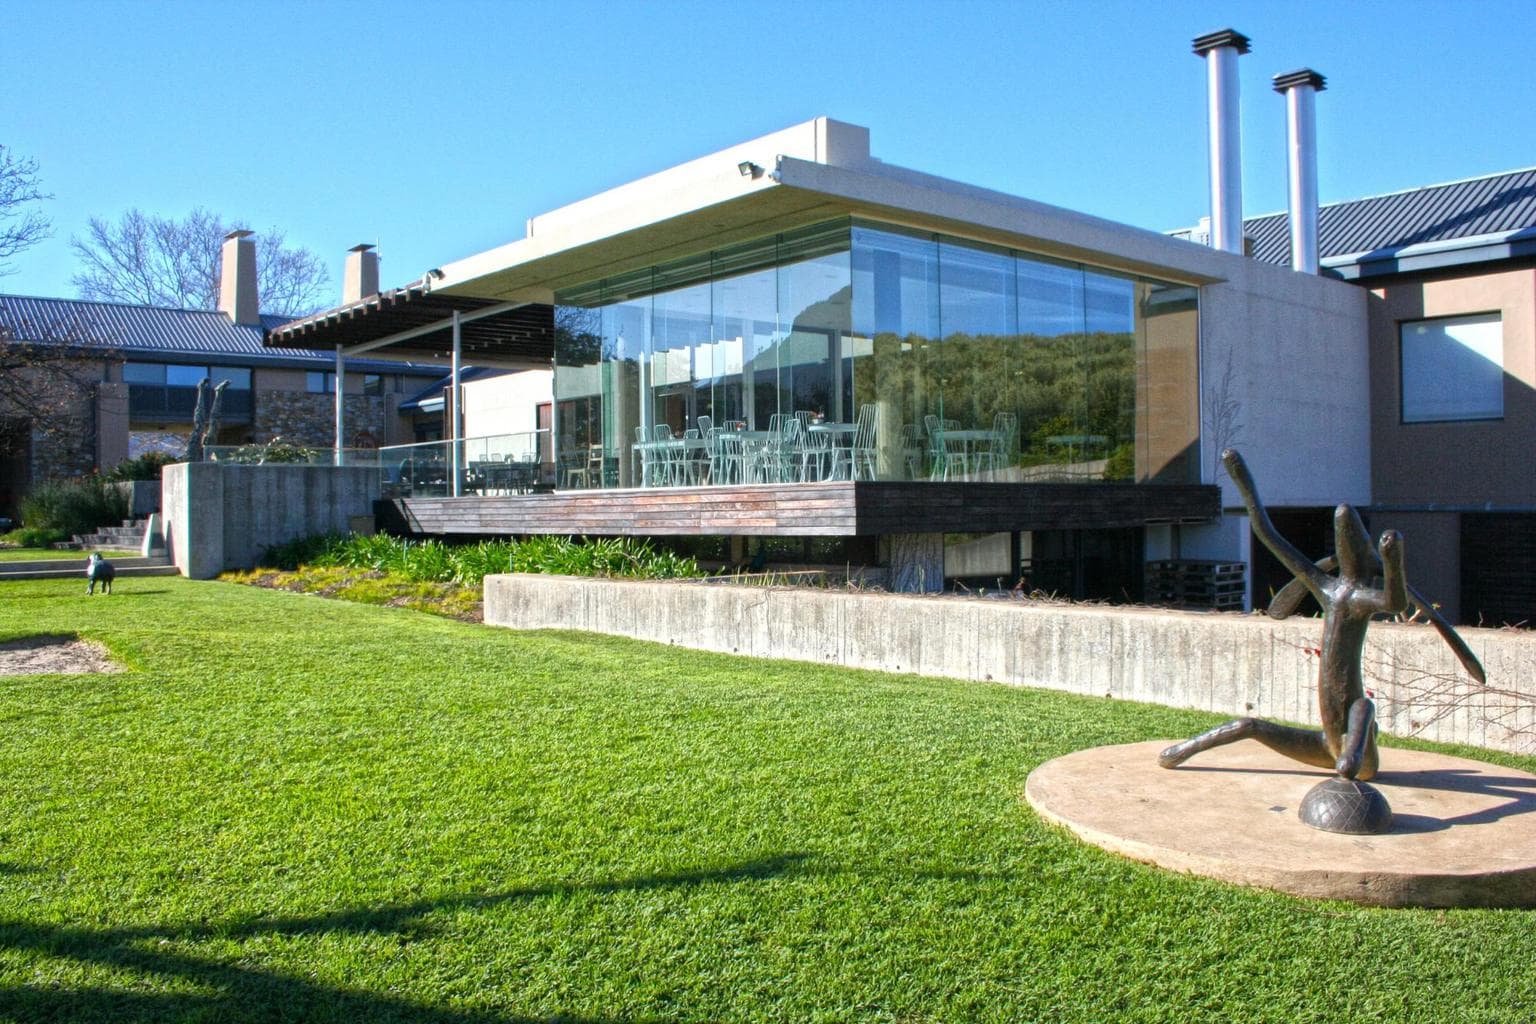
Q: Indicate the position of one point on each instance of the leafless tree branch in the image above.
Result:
(20, 227)
(162, 261)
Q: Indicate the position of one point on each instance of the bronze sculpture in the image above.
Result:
(1370, 582)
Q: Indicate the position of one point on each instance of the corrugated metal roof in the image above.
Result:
(1490, 205)
(166, 333)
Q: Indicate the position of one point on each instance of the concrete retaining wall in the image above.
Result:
(219, 516)
(1227, 663)
(143, 496)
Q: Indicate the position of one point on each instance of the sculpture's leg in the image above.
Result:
(1305, 745)
(1358, 757)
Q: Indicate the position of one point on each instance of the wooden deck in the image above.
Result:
(840, 509)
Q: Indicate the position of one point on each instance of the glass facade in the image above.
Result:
(859, 351)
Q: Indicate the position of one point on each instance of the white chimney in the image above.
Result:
(361, 278)
(237, 279)
(1300, 89)
(1221, 50)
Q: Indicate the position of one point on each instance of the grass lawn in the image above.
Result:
(301, 809)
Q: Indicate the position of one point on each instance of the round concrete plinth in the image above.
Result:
(1463, 832)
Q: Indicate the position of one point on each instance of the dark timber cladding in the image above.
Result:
(832, 509)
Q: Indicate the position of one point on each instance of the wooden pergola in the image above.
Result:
(414, 324)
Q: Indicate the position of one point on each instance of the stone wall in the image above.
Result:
(1231, 664)
(310, 419)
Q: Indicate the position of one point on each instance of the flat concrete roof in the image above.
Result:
(816, 171)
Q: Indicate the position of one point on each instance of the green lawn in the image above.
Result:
(301, 809)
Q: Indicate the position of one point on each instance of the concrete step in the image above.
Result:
(67, 568)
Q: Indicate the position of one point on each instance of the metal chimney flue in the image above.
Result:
(1221, 50)
(1300, 89)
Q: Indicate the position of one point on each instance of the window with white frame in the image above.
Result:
(1453, 368)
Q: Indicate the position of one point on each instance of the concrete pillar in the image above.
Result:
(111, 424)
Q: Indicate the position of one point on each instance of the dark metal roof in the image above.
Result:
(520, 336)
(435, 390)
(132, 330)
(1379, 227)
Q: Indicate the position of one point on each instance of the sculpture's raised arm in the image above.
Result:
(1300, 566)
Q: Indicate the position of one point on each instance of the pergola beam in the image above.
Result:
(445, 324)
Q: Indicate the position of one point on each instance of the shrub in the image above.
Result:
(35, 537)
(276, 450)
(469, 564)
(73, 506)
(144, 467)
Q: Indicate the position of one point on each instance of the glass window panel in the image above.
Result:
(896, 307)
(317, 382)
(239, 377)
(680, 328)
(744, 360)
(184, 376)
(144, 373)
(1167, 387)
(1453, 369)
(978, 307)
(1107, 419)
(814, 316)
(1048, 375)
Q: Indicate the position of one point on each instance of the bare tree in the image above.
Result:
(162, 261)
(20, 227)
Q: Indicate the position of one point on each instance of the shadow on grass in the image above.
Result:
(236, 991)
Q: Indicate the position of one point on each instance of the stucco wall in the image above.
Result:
(1467, 463)
(1230, 664)
(219, 516)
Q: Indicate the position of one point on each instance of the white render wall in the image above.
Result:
(506, 404)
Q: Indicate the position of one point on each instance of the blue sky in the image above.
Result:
(438, 128)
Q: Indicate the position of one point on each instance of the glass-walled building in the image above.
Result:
(852, 350)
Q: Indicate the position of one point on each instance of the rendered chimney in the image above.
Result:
(237, 279)
(1221, 50)
(1300, 89)
(361, 278)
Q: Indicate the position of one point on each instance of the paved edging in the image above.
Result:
(1462, 836)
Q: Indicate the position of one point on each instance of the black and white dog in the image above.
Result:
(99, 570)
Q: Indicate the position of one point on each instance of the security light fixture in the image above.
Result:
(749, 169)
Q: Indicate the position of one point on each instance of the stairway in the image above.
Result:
(126, 537)
(74, 568)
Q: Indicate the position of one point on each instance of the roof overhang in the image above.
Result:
(727, 207)
(1426, 257)
(415, 324)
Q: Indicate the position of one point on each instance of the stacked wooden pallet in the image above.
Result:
(1193, 583)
